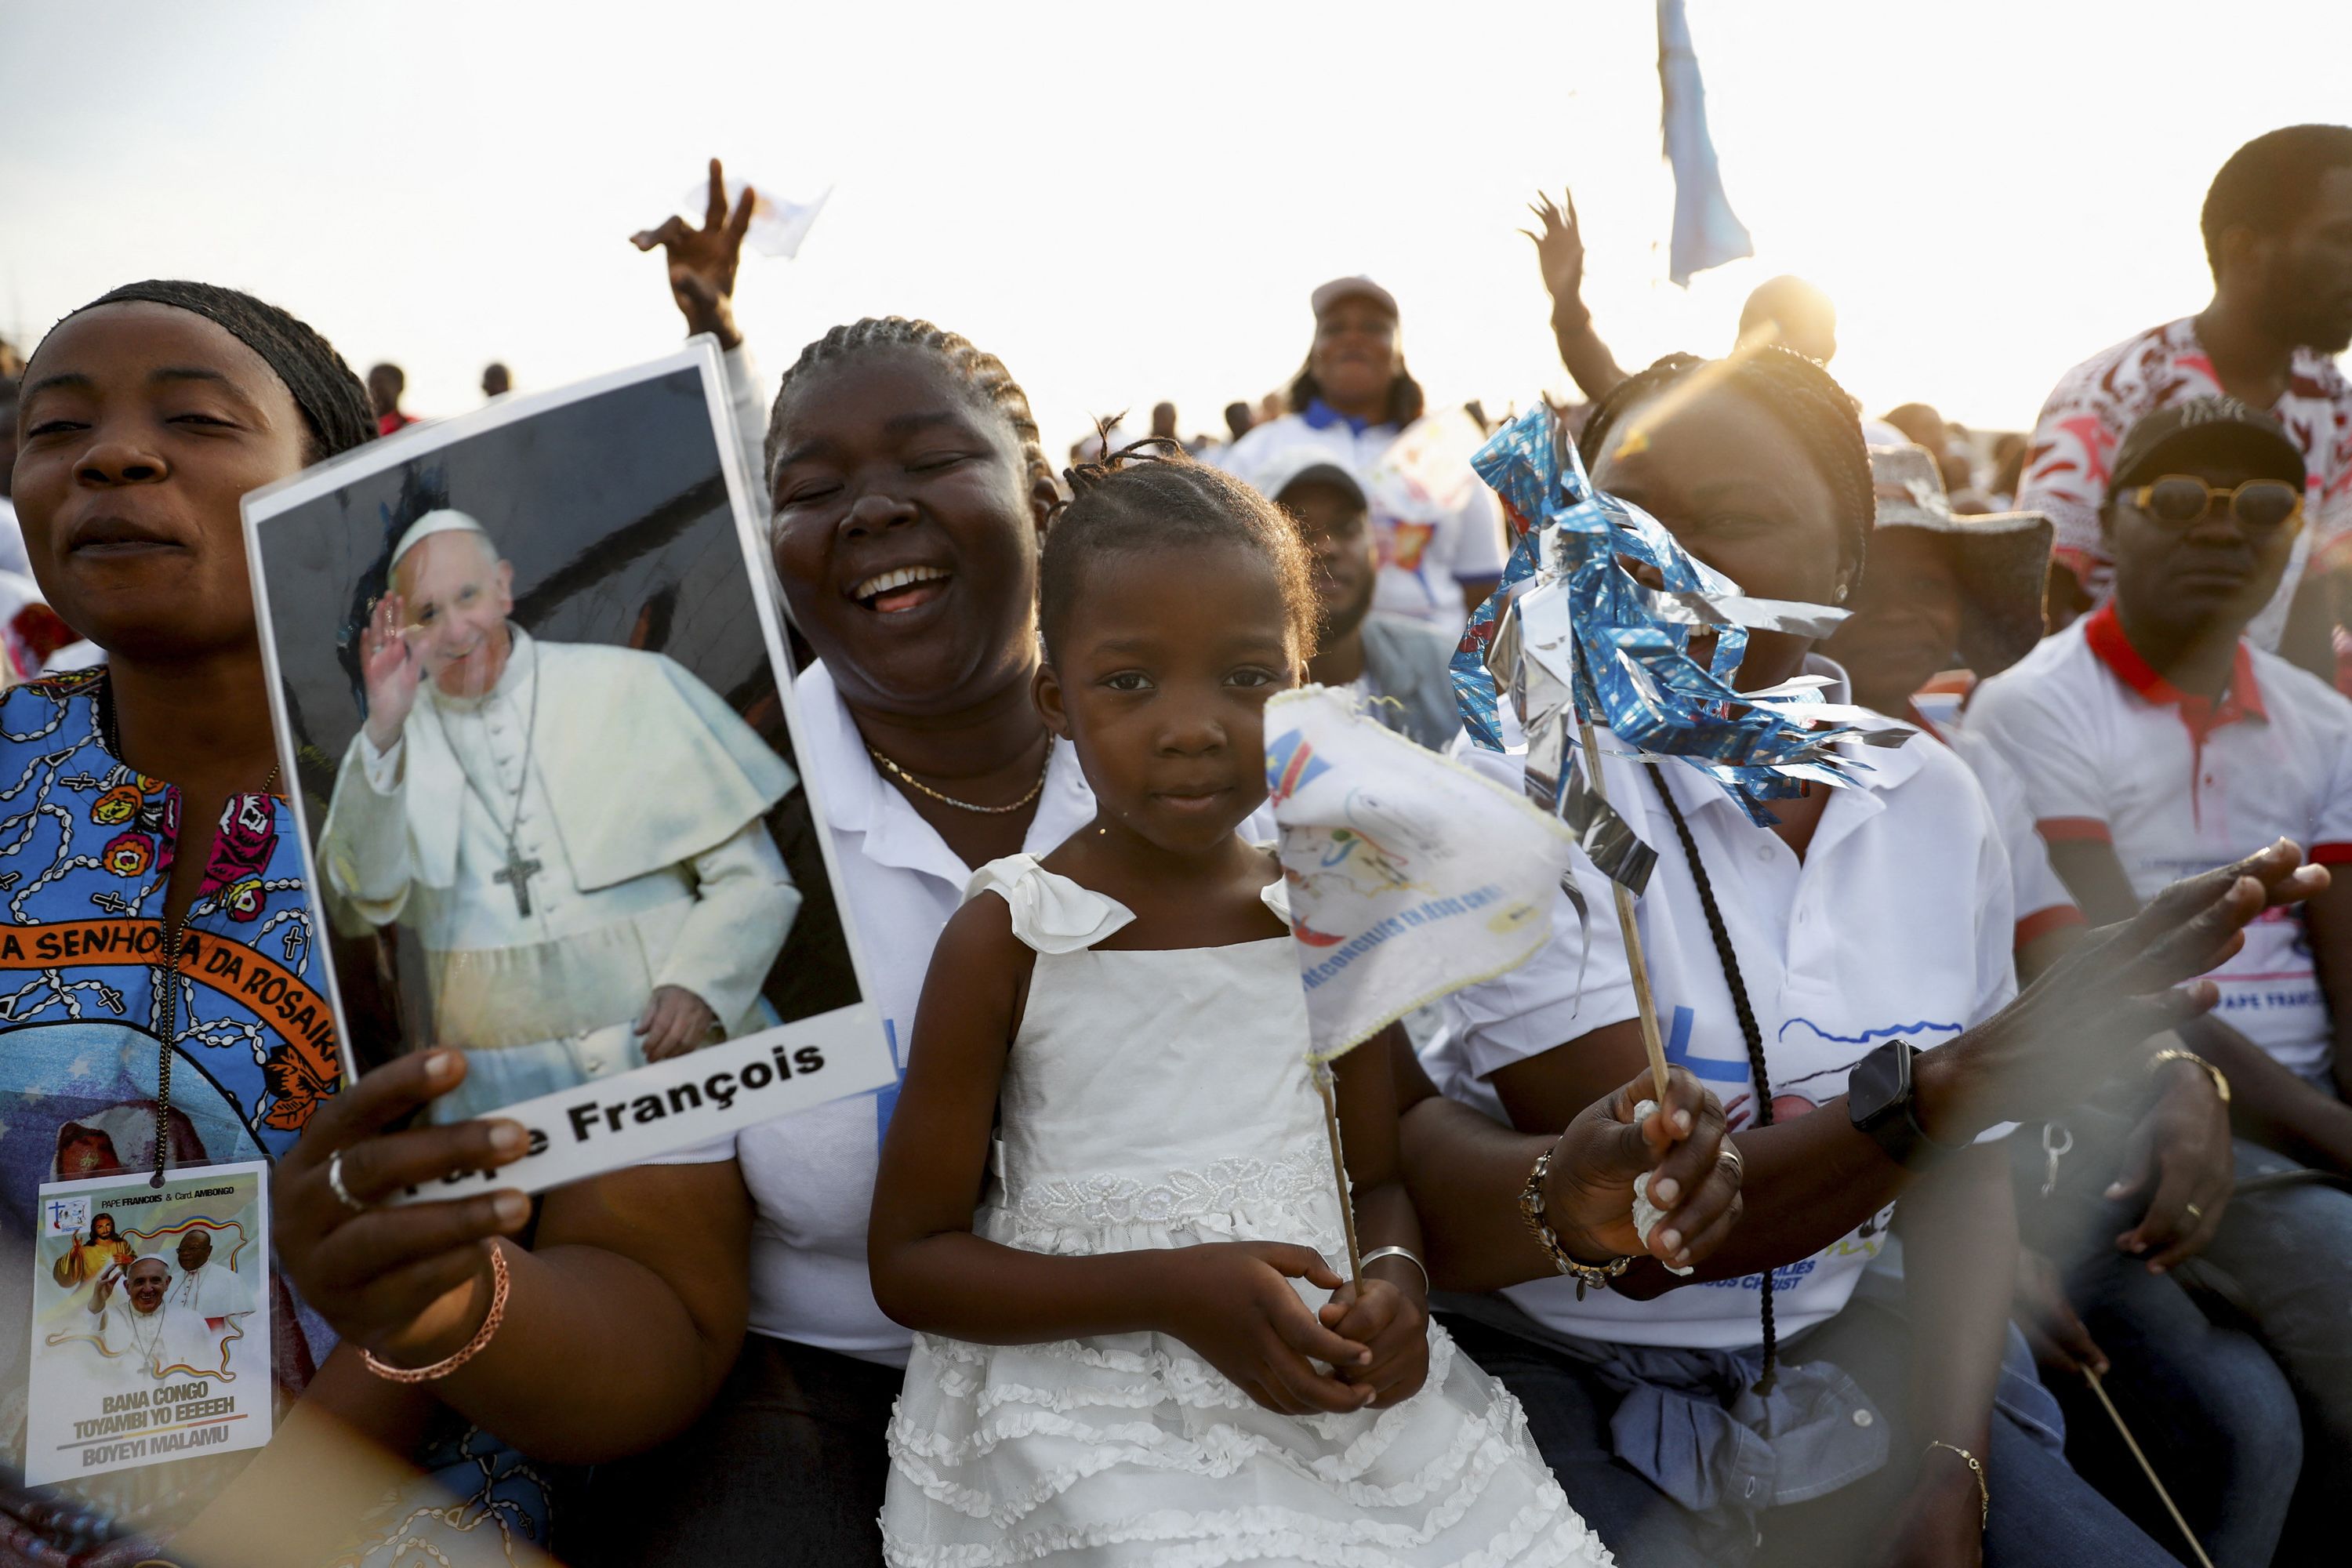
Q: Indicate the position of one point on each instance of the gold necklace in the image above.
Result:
(1034, 790)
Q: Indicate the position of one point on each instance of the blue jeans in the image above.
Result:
(2285, 1259)
(2209, 1408)
(2043, 1515)
(2212, 1416)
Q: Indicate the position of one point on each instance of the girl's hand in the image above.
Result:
(1233, 1304)
(1393, 1321)
(702, 261)
(410, 1283)
(1683, 1146)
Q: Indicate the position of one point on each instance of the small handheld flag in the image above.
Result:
(1407, 876)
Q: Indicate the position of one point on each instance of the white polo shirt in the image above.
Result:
(2109, 749)
(2041, 900)
(1896, 925)
(1426, 553)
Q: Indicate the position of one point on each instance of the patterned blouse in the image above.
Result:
(86, 852)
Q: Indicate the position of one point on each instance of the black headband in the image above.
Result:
(334, 402)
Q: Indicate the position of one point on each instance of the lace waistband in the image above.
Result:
(1297, 1185)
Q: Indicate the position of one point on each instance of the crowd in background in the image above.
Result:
(2120, 635)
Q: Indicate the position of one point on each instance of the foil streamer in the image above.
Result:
(1572, 629)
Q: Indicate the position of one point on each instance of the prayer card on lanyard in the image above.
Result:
(150, 1331)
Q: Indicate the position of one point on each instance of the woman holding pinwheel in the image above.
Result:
(1836, 965)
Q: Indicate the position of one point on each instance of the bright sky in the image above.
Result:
(1132, 203)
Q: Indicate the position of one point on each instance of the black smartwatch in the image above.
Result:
(1879, 1097)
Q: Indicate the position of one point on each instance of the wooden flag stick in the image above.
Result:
(1323, 1083)
(2146, 1469)
(1631, 931)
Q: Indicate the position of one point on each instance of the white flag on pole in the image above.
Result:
(1408, 874)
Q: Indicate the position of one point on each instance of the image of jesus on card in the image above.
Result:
(574, 832)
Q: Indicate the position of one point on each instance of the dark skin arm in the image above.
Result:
(1390, 1312)
(1809, 1182)
(702, 260)
(1559, 252)
(1231, 1303)
(1466, 1171)
(640, 1272)
(1958, 1224)
(2267, 1102)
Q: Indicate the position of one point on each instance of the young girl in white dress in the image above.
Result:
(1131, 1344)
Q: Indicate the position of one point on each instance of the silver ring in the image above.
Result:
(335, 1180)
(2195, 1213)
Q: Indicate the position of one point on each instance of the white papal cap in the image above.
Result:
(448, 519)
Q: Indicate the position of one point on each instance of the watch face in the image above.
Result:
(1878, 1082)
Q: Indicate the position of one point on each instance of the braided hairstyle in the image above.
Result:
(336, 414)
(1807, 401)
(1152, 495)
(983, 374)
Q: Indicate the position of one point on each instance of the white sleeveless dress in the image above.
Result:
(1155, 1100)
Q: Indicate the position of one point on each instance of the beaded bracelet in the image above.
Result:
(1531, 1210)
(472, 1348)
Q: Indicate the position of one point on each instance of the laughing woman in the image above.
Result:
(911, 494)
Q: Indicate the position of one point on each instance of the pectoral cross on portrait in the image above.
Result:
(517, 875)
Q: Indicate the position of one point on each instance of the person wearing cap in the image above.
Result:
(1397, 664)
(1440, 555)
(2277, 226)
(577, 919)
(1941, 592)
(2154, 738)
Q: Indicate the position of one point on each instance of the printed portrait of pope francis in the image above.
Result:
(574, 832)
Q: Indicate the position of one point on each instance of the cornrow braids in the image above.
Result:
(1806, 400)
(334, 406)
(984, 373)
(1152, 495)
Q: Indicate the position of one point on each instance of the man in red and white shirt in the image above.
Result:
(2153, 738)
(2278, 235)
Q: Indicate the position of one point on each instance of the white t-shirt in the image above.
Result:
(2109, 749)
(1425, 557)
(1896, 925)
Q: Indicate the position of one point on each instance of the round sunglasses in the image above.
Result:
(2183, 500)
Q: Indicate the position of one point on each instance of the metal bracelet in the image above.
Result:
(1380, 1252)
(1984, 1493)
(2175, 1054)
(472, 1348)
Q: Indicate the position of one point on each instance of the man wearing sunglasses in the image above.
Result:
(2154, 739)
(2277, 226)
